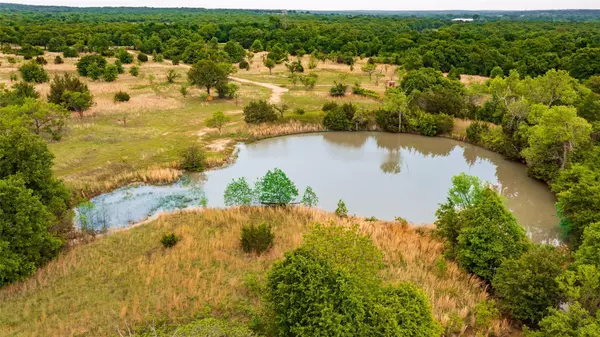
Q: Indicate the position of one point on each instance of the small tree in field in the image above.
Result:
(257, 112)
(275, 188)
(193, 159)
(341, 210)
(172, 75)
(269, 63)
(238, 193)
(217, 120)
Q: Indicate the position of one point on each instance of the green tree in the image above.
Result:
(39, 116)
(208, 74)
(575, 322)
(172, 75)
(257, 112)
(33, 72)
(585, 63)
(309, 198)
(341, 210)
(24, 223)
(94, 71)
(235, 51)
(369, 68)
(559, 132)
(217, 120)
(527, 286)
(589, 250)
(134, 71)
(256, 46)
(77, 102)
(269, 63)
(111, 72)
(239, 193)
(26, 155)
(84, 63)
(275, 188)
(69, 83)
(496, 72)
(489, 234)
(581, 284)
(193, 159)
(122, 55)
(395, 104)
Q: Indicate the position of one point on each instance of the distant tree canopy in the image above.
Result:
(525, 43)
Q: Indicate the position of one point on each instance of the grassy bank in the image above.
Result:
(129, 280)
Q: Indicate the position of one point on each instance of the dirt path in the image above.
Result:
(277, 91)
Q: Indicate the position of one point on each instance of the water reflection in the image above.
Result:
(376, 174)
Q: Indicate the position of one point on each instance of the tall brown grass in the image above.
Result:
(279, 129)
(128, 279)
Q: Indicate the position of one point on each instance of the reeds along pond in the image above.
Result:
(128, 280)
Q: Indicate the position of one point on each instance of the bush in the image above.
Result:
(61, 86)
(444, 123)
(428, 125)
(257, 112)
(358, 90)
(111, 72)
(489, 233)
(119, 66)
(121, 96)
(476, 131)
(329, 106)
(85, 62)
(123, 56)
(33, 72)
(58, 60)
(257, 239)
(527, 287)
(70, 53)
(193, 159)
(134, 71)
(169, 240)
(576, 322)
(94, 71)
(338, 90)
(175, 60)
(142, 57)
(24, 222)
(275, 188)
(41, 60)
(244, 65)
(337, 120)
(299, 111)
(341, 209)
(207, 327)
(589, 250)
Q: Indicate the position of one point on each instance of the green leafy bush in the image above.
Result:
(300, 111)
(329, 106)
(63, 87)
(340, 118)
(70, 53)
(257, 112)
(589, 250)
(476, 131)
(84, 63)
(121, 96)
(41, 60)
(111, 72)
(428, 125)
(444, 123)
(24, 224)
(169, 240)
(239, 193)
(257, 239)
(33, 72)
(275, 188)
(193, 159)
(58, 60)
(527, 286)
(489, 234)
(142, 57)
(206, 327)
(576, 322)
(341, 209)
(338, 90)
(134, 71)
(244, 65)
(309, 198)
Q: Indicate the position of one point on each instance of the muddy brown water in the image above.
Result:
(376, 174)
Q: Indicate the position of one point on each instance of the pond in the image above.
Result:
(376, 174)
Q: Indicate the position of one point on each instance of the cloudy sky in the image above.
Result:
(335, 4)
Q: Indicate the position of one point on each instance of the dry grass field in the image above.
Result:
(128, 280)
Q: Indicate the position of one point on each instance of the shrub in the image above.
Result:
(193, 159)
(41, 60)
(11, 60)
(25, 221)
(172, 75)
(142, 57)
(134, 71)
(208, 327)
(341, 209)
(476, 131)
(337, 120)
(62, 85)
(33, 72)
(428, 125)
(111, 72)
(358, 90)
(338, 90)
(123, 56)
(244, 65)
(576, 322)
(85, 62)
(58, 60)
(257, 112)
(589, 250)
(444, 123)
(70, 53)
(257, 239)
(169, 240)
(238, 193)
(527, 286)
(299, 111)
(94, 71)
(158, 58)
(175, 60)
(217, 120)
(489, 234)
(485, 313)
(121, 96)
(119, 66)
(329, 106)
